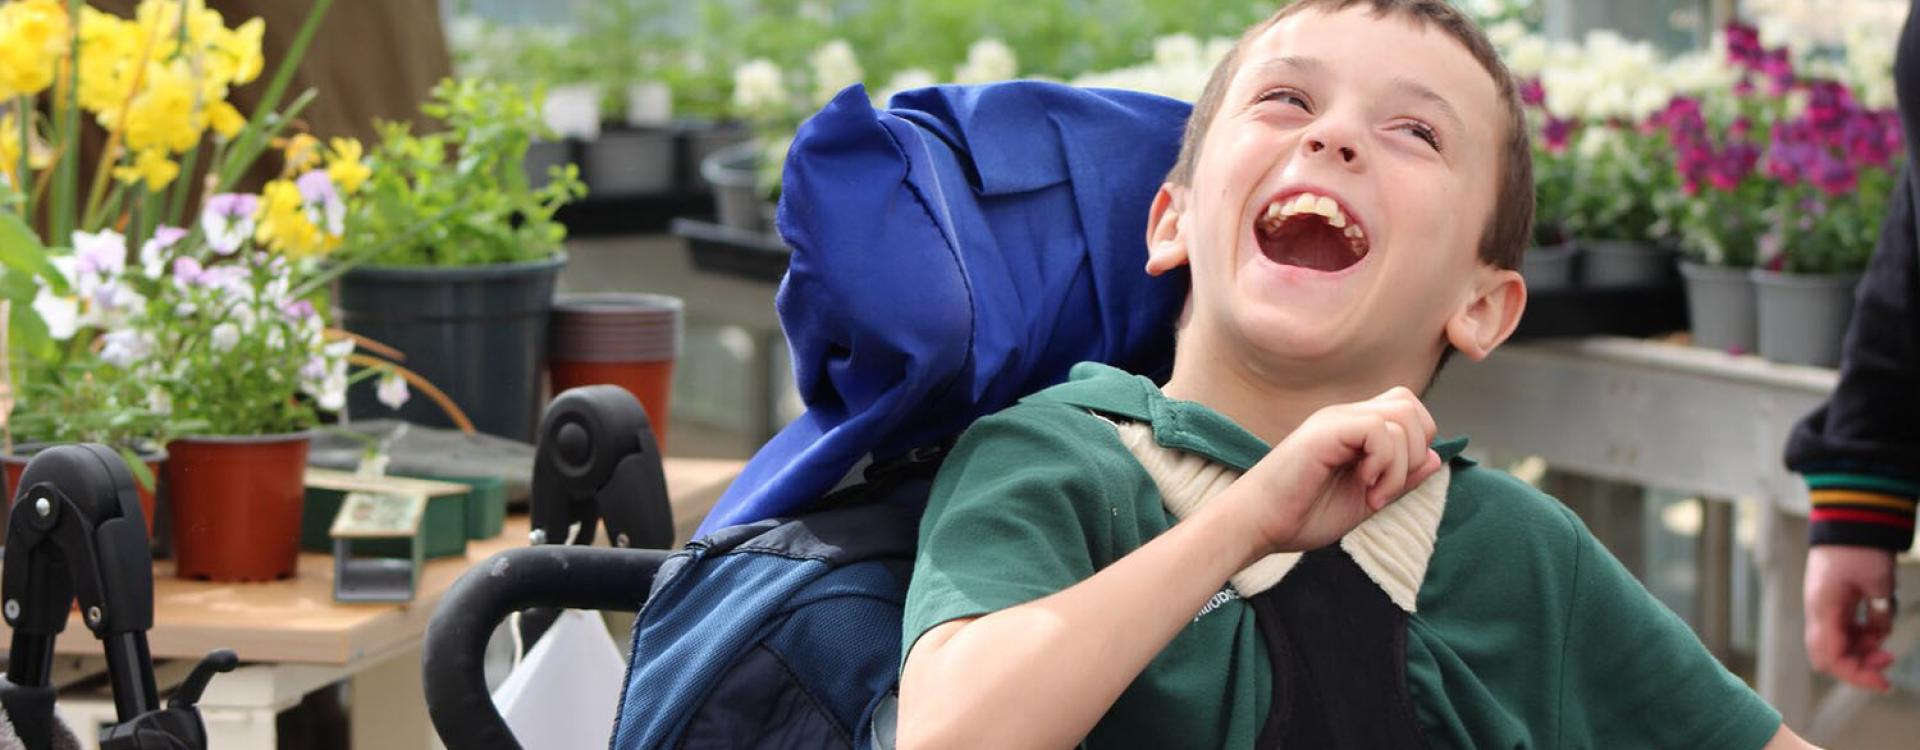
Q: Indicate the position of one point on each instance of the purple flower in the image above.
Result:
(314, 370)
(1557, 133)
(1833, 176)
(1532, 93)
(1743, 43)
(297, 310)
(188, 272)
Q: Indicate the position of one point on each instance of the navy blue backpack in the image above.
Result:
(951, 254)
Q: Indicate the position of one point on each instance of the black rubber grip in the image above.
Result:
(548, 575)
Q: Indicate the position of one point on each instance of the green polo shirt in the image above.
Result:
(1527, 632)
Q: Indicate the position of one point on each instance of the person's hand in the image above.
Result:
(1841, 581)
(1341, 466)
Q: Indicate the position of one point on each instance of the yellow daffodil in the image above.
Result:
(224, 119)
(152, 166)
(242, 48)
(284, 225)
(345, 167)
(33, 35)
(303, 152)
(162, 115)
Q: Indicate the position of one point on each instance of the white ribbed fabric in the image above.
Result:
(1392, 547)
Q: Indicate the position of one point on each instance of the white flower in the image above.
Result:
(1176, 49)
(60, 313)
(905, 80)
(333, 391)
(124, 348)
(1217, 49)
(835, 67)
(392, 390)
(153, 253)
(990, 60)
(227, 221)
(759, 90)
(159, 401)
(1527, 56)
(1504, 34)
(224, 337)
(98, 257)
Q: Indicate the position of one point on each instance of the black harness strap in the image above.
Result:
(1338, 647)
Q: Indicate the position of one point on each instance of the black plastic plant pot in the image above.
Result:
(477, 333)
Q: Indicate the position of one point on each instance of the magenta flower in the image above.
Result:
(1533, 93)
(1833, 176)
(1557, 133)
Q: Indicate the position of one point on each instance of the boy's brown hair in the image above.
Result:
(1510, 229)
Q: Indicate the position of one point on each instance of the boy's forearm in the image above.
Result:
(1042, 674)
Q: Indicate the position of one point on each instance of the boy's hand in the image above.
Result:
(1341, 466)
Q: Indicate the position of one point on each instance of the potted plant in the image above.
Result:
(208, 333)
(1835, 165)
(1612, 215)
(1549, 264)
(467, 297)
(1837, 168)
(1718, 211)
(623, 44)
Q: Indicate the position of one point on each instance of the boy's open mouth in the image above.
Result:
(1310, 231)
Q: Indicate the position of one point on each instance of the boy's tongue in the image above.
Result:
(1307, 242)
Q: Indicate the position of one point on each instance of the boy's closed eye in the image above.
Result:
(1296, 99)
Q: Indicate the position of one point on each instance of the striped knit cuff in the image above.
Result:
(1863, 510)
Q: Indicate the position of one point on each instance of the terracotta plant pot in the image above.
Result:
(236, 505)
(16, 462)
(628, 340)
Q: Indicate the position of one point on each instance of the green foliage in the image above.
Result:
(460, 197)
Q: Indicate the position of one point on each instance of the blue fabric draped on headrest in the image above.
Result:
(952, 254)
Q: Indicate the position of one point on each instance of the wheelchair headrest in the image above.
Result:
(951, 254)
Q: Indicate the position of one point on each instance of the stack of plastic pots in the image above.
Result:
(628, 340)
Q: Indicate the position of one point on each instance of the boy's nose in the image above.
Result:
(1317, 145)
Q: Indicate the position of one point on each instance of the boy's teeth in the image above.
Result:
(1308, 203)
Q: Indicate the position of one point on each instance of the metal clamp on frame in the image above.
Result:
(76, 530)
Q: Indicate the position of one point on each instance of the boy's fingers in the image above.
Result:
(1377, 447)
(1429, 466)
(1390, 484)
(1417, 442)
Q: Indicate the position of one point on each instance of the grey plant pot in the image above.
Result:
(1610, 263)
(734, 173)
(478, 333)
(1549, 267)
(542, 157)
(1803, 317)
(1720, 304)
(629, 161)
(699, 139)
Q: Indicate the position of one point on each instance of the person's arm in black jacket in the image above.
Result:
(1860, 453)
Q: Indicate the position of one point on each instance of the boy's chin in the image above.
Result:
(1298, 336)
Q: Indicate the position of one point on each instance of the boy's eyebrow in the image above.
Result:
(1422, 91)
(1294, 62)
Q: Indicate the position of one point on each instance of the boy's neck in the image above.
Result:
(1262, 401)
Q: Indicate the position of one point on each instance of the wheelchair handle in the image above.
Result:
(550, 575)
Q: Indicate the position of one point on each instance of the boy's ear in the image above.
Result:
(1490, 315)
(1166, 244)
